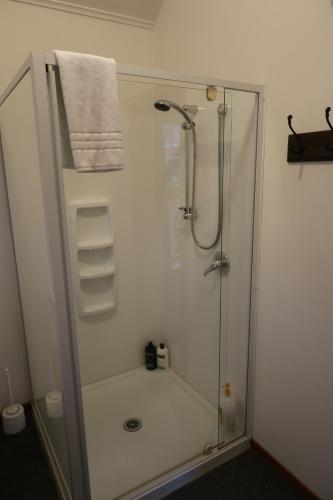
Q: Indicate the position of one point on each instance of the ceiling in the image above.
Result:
(142, 9)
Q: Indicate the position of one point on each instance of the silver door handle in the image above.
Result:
(220, 263)
(214, 265)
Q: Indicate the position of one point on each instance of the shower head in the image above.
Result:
(165, 105)
(162, 105)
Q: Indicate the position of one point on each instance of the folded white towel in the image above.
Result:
(89, 87)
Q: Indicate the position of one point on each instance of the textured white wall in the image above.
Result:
(24, 28)
(286, 46)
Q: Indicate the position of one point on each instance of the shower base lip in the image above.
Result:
(172, 481)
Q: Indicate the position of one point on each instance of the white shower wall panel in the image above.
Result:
(192, 315)
(161, 293)
(113, 342)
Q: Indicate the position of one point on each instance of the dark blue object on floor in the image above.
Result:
(24, 471)
(25, 475)
(249, 476)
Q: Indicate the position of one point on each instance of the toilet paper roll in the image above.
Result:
(54, 407)
(13, 419)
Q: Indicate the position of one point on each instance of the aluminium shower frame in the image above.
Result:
(42, 69)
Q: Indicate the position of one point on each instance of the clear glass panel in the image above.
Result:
(240, 138)
(158, 292)
(19, 141)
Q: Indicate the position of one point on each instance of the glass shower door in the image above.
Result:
(240, 145)
(159, 293)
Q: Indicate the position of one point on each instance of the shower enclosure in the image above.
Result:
(109, 261)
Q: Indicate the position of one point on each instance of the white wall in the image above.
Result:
(286, 46)
(24, 28)
(17, 117)
(12, 345)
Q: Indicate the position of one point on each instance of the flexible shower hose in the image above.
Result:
(220, 188)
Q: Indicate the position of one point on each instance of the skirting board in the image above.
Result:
(284, 470)
(64, 493)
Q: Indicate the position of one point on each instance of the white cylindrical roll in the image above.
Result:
(13, 419)
(54, 406)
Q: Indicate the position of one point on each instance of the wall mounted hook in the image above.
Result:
(300, 148)
(329, 144)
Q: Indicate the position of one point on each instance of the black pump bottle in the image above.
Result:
(150, 356)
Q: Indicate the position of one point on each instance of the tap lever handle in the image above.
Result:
(221, 263)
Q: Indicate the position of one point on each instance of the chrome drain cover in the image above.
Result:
(132, 424)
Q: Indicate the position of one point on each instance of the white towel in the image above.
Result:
(89, 87)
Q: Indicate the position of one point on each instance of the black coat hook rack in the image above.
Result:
(329, 144)
(310, 146)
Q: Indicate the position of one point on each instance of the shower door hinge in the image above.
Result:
(222, 109)
(208, 449)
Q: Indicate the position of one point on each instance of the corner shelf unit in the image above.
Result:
(95, 245)
(93, 256)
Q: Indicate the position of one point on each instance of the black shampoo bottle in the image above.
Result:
(150, 356)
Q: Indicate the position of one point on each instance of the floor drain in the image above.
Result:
(132, 424)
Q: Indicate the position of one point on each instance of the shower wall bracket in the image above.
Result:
(93, 259)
